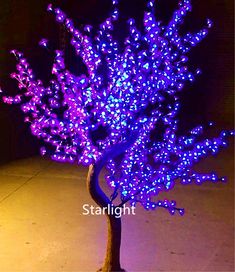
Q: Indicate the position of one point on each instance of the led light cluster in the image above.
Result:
(138, 92)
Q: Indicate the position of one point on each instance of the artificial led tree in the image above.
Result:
(106, 117)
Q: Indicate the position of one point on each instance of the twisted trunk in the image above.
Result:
(112, 258)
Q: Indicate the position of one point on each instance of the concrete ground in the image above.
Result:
(42, 228)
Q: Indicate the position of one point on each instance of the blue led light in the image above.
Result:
(152, 68)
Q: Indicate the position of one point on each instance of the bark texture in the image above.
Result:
(112, 259)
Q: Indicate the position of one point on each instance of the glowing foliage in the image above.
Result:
(138, 92)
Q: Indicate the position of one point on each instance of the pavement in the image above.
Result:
(42, 228)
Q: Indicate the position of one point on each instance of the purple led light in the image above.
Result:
(43, 42)
(136, 78)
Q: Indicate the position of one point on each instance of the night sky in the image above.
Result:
(25, 22)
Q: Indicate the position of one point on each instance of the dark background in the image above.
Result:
(25, 22)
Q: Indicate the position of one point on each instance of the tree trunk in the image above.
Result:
(112, 259)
